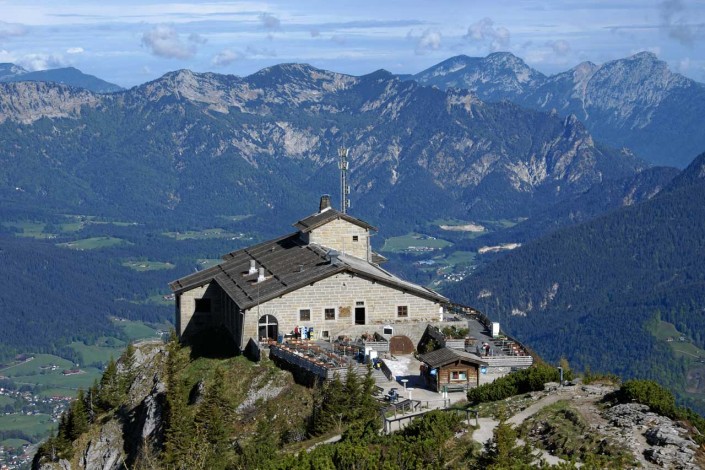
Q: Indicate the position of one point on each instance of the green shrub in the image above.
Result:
(516, 383)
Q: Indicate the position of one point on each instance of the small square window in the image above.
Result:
(203, 305)
(355, 238)
(305, 314)
(403, 311)
(458, 375)
(329, 313)
(325, 334)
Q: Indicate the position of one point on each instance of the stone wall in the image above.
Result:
(339, 235)
(188, 320)
(342, 292)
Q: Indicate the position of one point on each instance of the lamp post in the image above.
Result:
(560, 369)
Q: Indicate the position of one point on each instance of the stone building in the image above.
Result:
(323, 280)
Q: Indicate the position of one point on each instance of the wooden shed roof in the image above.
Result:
(443, 356)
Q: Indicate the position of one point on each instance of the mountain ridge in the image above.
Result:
(635, 102)
(250, 124)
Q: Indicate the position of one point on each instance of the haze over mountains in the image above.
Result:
(195, 143)
(636, 102)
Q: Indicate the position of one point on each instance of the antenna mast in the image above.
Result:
(344, 188)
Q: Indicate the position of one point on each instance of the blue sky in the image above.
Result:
(129, 42)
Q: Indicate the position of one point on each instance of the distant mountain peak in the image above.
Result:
(490, 77)
(585, 67)
(503, 56)
(644, 55)
(8, 70)
(70, 76)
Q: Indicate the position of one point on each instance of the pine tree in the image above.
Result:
(109, 395)
(77, 420)
(179, 427)
(91, 401)
(212, 416)
(260, 452)
(128, 362)
(330, 406)
(352, 394)
(369, 407)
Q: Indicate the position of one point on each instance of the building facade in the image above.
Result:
(317, 282)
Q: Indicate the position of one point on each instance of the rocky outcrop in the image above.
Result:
(666, 443)
(133, 429)
(105, 452)
(27, 102)
(62, 464)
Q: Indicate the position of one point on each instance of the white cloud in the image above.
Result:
(485, 32)
(560, 47)
(164, 41)
(34, 62)
(7, 56)
(75, 50)
(269, 21)
(430, 40)
(226, 57)
(11, 29)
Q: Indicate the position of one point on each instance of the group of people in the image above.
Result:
(303, 332)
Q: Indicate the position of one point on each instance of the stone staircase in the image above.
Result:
(377, 374)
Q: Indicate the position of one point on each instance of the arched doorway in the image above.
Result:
(268, 327)
(400, 345)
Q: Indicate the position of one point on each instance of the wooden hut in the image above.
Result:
(452, 369)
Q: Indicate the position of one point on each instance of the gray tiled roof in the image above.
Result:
(320, 218)
(443, 356)
(289, 264)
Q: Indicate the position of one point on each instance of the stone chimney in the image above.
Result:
(325, 203)
(333, 256)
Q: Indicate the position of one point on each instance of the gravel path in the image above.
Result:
(487, 425)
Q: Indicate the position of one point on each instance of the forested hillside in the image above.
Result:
(601, 293)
